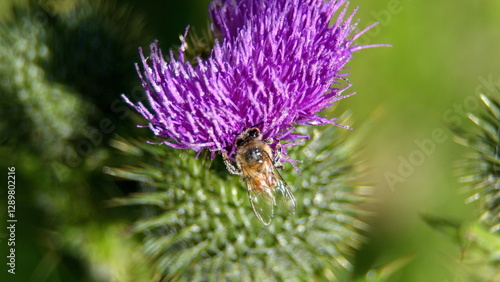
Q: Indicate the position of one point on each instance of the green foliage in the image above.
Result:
(198, 223)
(482, 253)
(94, 48)
(47, 115)
(61, 70)
(479, 248)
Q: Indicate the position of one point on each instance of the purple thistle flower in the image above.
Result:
(276, 65)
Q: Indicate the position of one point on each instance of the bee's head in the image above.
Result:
(240, 142)
(253, 133)
(247, 135)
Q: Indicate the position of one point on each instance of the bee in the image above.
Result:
(257, 165)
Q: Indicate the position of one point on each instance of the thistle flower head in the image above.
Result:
(276, 64)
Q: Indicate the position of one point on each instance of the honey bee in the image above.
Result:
(257, 165)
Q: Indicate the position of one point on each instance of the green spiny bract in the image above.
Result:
(483, 166)
(481, 172)
(198, 223)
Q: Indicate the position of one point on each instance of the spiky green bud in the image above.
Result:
(198, 223)
(483, 166)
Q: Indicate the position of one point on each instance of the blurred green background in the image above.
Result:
(444, 53)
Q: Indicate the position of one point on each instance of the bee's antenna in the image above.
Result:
(260, 123)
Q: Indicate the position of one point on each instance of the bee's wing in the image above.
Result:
(283, 194)
(262, 203)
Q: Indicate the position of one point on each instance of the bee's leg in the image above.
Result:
(277, 153)
(230, 167)
(277, 157)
